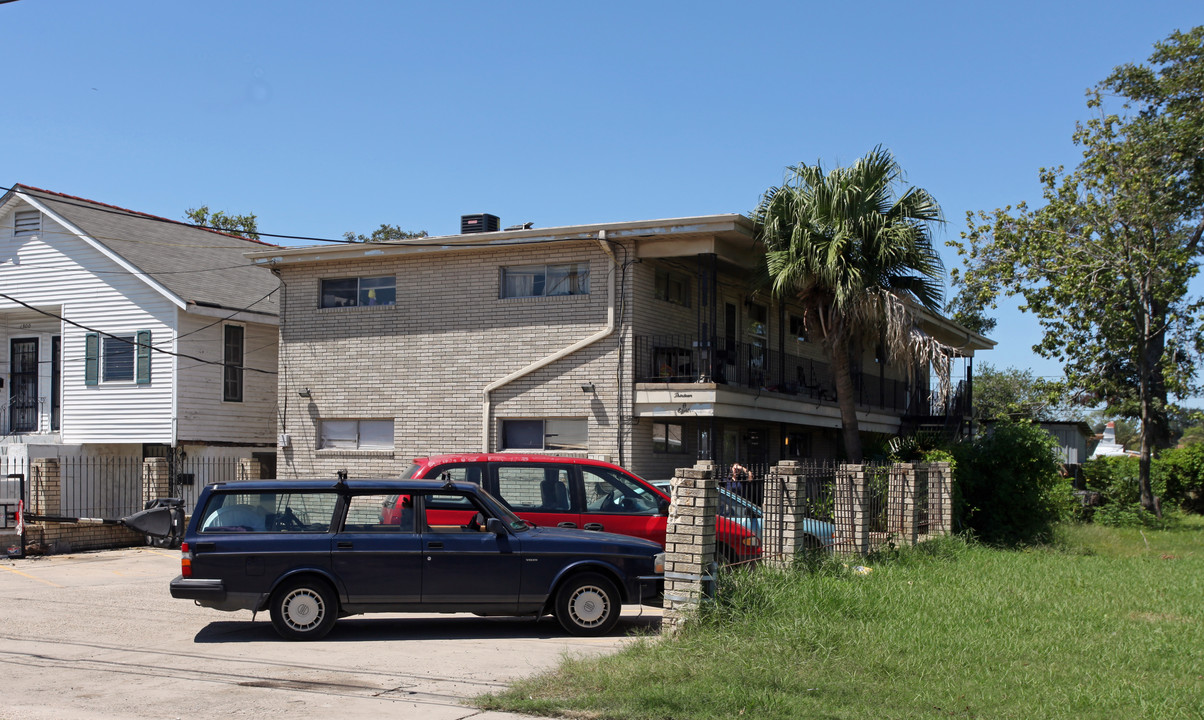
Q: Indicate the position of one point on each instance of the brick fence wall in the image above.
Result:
(863, 507)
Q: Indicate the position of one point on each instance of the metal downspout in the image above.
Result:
(564, 352)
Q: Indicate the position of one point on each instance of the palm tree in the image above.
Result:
(858, 259)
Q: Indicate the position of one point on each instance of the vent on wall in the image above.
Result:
(479, 223)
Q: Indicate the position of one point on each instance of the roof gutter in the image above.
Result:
(487, 409)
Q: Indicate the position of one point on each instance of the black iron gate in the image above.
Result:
(23, 386)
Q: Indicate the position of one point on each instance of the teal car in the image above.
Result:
(743, 512)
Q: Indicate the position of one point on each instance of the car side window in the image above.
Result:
(609, 491)
(452, 512)
(535, 488)
(467, 472)
(268, 511)
(379, 513)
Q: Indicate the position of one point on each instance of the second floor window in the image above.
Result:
(359, 291)
(758, 319)
(117, 358)
(798, 328)
(545, 280)
(232, 354)
(673, 287)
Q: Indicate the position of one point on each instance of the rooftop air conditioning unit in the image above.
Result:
(479, 223)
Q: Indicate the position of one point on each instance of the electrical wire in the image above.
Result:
(135, 215)
(127, 341)
(222, 320)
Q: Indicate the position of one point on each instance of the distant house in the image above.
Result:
(1075, 440)
(1108, 446)
(639, 342)
(127, 335)
(1074, 437)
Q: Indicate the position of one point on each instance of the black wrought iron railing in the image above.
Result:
(687, 359)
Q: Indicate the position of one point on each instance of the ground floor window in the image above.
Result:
(667, 438)
(356, 435)
(545, 434)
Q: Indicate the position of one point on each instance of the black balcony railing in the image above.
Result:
(687, 359)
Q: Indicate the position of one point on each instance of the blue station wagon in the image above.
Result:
(313, 551)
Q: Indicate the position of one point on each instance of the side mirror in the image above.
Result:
(495, 526)
(662, 505)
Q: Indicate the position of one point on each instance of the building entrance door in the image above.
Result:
(23, 387)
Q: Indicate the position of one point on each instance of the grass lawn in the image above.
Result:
(1108, 623)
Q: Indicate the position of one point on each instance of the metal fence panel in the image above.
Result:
(107, 488)
(191, 475)
(111, 488)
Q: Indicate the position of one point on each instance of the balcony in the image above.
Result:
(686, 364)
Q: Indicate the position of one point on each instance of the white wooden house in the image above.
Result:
(126, 334)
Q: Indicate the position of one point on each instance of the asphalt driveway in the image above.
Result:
(96, 635)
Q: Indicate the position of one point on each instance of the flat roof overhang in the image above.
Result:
(728, 235)
(704, 400)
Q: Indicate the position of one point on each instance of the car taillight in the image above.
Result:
(752, 541)
(185, 561)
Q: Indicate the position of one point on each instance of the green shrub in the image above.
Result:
(1115, 478)
(1176, 478)
(1180, 472)
(1009, 487)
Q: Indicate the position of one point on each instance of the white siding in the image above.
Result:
(54, 271)
(204, 416)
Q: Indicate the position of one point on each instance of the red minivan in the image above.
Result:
(548, 490)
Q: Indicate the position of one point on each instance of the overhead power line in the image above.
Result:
(135, 215)
(119, 338)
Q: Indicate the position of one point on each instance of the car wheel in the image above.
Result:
(810, 542)
(304, 609)
(588, 604)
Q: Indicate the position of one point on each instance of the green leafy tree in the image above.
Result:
(858, 258)
(1105, 263)
(384, 233)
(1192, 435)
(1017, 394)
(1186, 425)
(241, 225)
(968, 306)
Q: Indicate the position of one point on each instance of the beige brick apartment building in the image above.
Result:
(642, 343)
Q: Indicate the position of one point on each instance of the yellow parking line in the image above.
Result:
(31, 577)
(174, 556)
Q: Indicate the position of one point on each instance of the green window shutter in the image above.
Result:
(91, 359)
(142, 369)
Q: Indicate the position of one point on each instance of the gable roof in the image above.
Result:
(185, 263)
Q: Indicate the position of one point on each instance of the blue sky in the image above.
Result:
(324, 117)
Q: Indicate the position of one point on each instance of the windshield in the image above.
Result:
(503, 513)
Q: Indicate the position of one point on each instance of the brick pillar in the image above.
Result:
(248, 469)
(46, 487)
(156, 478)
(689, 542)
(850, 511)
(940, 498)
(783, 513)
(902, 508)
